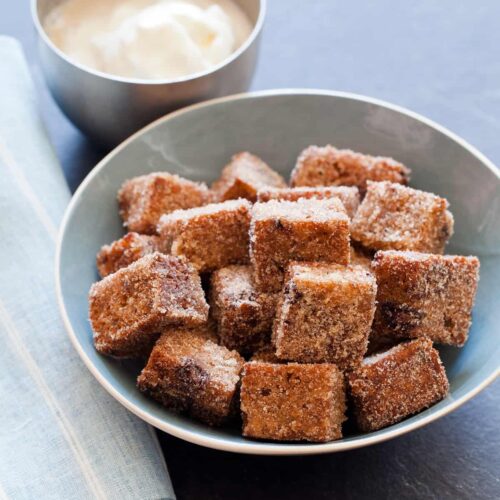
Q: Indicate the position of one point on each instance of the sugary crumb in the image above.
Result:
(329, 166)
(188, 372)
(244, 315)
(210, 237)
(129, 307)
(395, 384)
(325, 314)
(424, 295)
(396, 217)
(124, 251)
(144, 199)
(348, 195)
(304, 230)
(243, 177)
(292, 402)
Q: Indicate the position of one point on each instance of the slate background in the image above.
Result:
(439, 58)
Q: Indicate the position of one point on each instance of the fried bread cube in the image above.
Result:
(329, 166)
(397, 383)
(124, 251)
(144, 199)
(348, 195)
(325, 315)
(243, 177)
(210, 237)
(244, 316)
(292, 402)
(188, 372)
(396, 217)
(424, 295)
(304, 230)
(130, 307)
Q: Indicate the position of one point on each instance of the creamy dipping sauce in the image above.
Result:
(148, 39)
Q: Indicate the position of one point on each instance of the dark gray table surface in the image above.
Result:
(439, 58)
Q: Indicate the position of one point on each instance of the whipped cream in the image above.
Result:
(148, 39)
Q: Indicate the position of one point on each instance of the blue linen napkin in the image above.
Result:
(61, 435)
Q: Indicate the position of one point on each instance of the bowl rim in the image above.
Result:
(256, 30)
(258, 447)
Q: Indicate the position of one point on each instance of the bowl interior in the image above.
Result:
(197, 142)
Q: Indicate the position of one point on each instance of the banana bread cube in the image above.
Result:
(188, 372)
(424, 295)
(303, 230)
(243, 177)
(130, 307)
(292, 402)
(210, 237)
(325, 314)
(348, 195)
(124, 251)
(144, 199)
(392, 385)
(244, 316)
(396, 217)
(329, 166)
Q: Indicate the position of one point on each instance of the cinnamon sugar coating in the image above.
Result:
(424, 295)
(244, 316)
(243, 177)
(329, 166)
(188, 372)
(325, 314)
(395, 217)
(348, 195)
(129, 307)
(124, 251)
(144, 199)
(304, 230)
(395, 384)
(292, 402)
(210, 237)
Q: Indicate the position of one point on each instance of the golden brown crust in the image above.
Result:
(292, 402)
(329, 166)
(325, 314)
(123, 252)
(244, 316)
(243, 177)
(348, 195)
(393, 385)
(188, 372)
(424, 295)
(129, 307)
(210, 237)
(395, 217)
(305, 230)
(144, 199)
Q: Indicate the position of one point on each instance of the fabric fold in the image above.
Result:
(62, 435)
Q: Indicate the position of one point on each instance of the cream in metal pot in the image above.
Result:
(148, 39)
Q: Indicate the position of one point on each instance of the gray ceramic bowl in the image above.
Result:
(196, 142)
(109, 108)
